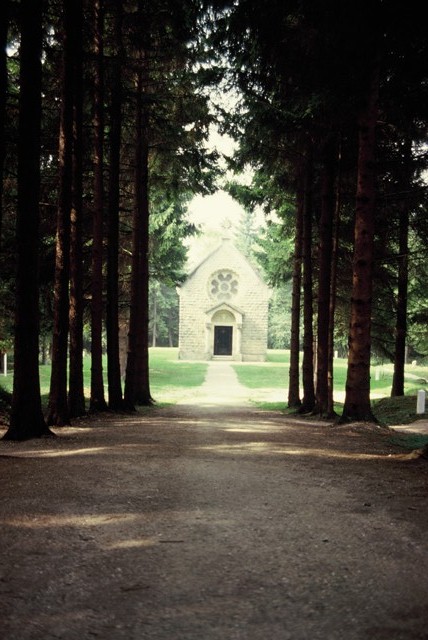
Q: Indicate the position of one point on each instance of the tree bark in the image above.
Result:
(403, 278)
(26, 419)
(154, 314)
(357, 400)
(97, 399)
(333, 284)
(76, 396)
(115, 400)
(4, 23)
(294, 378)
(58, 413)
(324, 273)
(308, 401)
(143, 395)
(137, 387)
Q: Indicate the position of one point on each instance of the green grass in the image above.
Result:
(278, 355)
(410, 440)
(170, 376)
(398, 410)
(167, 371)
(267, 375)
(273, 374)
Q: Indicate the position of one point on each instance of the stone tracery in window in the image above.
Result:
(223, 285)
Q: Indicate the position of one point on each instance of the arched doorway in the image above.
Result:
(223, 327)
(223, 322)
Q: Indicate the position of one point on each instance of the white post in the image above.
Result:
(420, 403)
(5, 364)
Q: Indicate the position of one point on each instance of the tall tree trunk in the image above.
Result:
(76, 396)
(115, 401)
(143, 395)
(58, 413)
(357, 400)
(294, 381)
(26, 419)
(403, 277)
(137, 388)
(333, 284)
(4, 23)
(97, 399)
(324, 273)
(308, 401)
(154, 314)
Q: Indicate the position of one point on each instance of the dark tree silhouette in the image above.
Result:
(76, 396)
(308, 400)
(357, 400)
(97, 399)
(137, 387)
(325, 246)
(26, 419)
(403, 272)
(4, 21)
(294, 386)
(58, 413)
(115, 400)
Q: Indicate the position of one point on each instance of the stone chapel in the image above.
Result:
(223, 309)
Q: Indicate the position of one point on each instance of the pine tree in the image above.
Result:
(58, 412)
(4, 22)
(97, 400)
(357, 401)
(115, 400)
(76, 396)
(26, 419)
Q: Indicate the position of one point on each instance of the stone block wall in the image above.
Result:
(224, 279)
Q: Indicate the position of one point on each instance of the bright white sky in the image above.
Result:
(210, 212)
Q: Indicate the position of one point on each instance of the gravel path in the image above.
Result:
(213, 522)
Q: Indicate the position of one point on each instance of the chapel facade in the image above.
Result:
(223, 309)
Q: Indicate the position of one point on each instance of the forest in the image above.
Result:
(106, 107)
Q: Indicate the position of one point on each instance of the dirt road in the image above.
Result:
(211, 522)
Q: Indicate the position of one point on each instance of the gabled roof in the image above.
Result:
(225, 243)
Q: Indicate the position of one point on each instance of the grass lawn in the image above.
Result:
(170, 376)
(273, 374)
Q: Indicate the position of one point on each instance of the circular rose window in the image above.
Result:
(223, 285)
